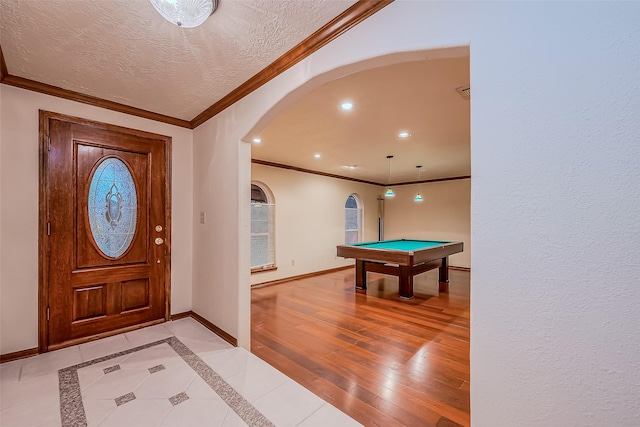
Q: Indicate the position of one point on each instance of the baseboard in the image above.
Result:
(182, 315)
(453, 267)
(213, 328)
(301, 276)
(16, 355)
(23, 354)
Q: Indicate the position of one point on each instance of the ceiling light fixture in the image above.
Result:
(257, 140)
(317, 156)
(185, 13)
(404, 135)
(389, 192)
(418, 197)
(347, 106)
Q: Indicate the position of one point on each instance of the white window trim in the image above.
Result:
(360, 211)
(272, 242)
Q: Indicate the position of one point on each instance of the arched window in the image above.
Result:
(352, 220)
(263, 242)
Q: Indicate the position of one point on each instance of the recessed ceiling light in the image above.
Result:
(257, 140)
(404, 135)
(352, 166)
(317, 156)
(346, 106)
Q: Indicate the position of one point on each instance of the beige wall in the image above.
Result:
(19, 207)
(310, 219)
(444, 214)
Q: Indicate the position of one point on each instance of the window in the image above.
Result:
(352, 220)
(262, 229)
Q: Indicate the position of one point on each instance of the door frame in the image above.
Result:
(43, 204)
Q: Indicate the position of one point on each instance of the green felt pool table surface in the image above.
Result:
(402, 244)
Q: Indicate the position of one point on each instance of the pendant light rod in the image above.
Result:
(389, 192)
(418, 197)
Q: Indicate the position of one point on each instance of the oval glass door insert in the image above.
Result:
(113, 207)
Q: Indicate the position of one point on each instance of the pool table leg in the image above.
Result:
(406, 282)
(361, 275)
(443, 275)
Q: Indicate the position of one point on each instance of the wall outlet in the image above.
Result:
(293, 262)
(203, 217)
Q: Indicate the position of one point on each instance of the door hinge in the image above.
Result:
(48, 143)
(47, 313)
(48, 229)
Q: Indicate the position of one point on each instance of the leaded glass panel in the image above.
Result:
(112, 207)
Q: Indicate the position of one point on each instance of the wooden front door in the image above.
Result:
(104, 252)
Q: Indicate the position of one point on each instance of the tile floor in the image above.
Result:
(174, 374)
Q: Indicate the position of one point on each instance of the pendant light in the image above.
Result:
(418, 197)
(389, 192)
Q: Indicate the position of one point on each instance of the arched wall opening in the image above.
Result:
(285, 264)
(355, 67)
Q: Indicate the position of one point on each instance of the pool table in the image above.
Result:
(403, 258)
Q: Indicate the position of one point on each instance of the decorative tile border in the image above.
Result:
(111, 369)
(72, 409)
(178, 398)
(157, 368)
(125, 399)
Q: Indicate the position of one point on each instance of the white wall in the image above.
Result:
(444, 214)
(310, 219)
(218, 257)
(555, 198)
(19, 146)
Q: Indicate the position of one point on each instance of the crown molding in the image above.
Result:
(346, 178)
(297, 169)
(343, 22)
(59, 92)
(426, 181)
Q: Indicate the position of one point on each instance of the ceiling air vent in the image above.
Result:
(465, 92)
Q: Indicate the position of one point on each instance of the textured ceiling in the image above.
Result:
(124, 51)
(419, 97)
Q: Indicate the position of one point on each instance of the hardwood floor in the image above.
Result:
(382, 360)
